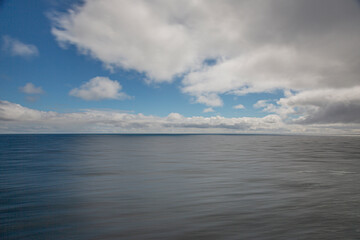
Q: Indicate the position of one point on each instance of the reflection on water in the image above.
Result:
(179, 187)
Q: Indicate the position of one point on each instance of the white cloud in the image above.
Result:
(262, 70)
(210, 99)
(17, 48)
(134, 34)
(15, 112)
(239, 106)
(256, 46)
(99, 88)
(208, 110)
(30, 88)
(15, 118)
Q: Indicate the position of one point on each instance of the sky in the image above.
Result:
(190, 66)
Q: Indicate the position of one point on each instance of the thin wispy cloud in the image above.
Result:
(239, 106)
(208, 110)
(30, 88)
(17, 48)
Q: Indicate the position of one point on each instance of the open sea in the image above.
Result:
(179, 187)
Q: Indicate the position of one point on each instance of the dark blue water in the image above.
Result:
(179, 187)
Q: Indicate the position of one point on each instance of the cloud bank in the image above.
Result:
(15, 118)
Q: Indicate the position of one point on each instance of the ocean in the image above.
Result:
(179, 187)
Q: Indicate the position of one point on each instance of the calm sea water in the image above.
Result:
(179, 187)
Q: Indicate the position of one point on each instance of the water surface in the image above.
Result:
(179, 187)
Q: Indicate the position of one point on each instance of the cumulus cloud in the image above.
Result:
(99, 88)
(134, 34)
(17, 48)
(253, 46)
(239, 106)
(165, 38)
(30, 88)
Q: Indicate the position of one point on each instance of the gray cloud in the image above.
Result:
(322, 106)
(325, 106)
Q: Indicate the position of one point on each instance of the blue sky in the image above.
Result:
(196, 59)
(58, 70)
